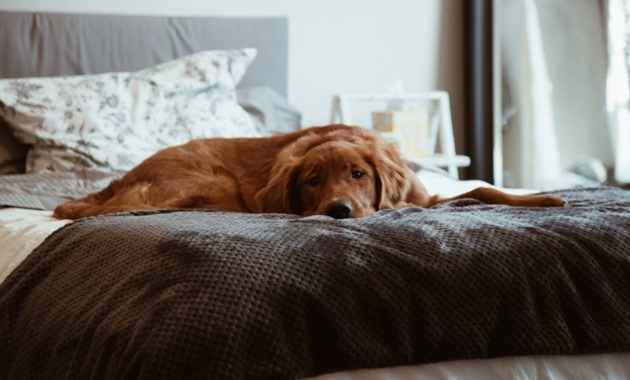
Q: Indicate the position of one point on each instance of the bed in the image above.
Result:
(462, 290)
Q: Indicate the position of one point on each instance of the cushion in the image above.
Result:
(113, 121)
(271, 112)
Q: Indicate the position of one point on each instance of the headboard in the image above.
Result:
(48, 44)
(52, 44)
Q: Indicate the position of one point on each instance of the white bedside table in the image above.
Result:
(446, 158)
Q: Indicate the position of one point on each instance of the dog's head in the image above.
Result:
(345, 173)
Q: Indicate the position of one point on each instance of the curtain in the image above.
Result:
(618, 84)
(530, 149)
(555, 68)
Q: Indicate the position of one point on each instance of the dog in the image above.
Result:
(336, 170)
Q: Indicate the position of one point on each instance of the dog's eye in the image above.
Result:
(356, 174)
(313, 181)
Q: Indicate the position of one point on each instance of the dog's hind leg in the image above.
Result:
(79, 208)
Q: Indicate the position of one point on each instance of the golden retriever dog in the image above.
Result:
(337, 170)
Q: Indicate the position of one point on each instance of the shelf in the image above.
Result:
(442, 160)
(442, 132)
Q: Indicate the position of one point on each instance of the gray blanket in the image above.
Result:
(198, 294)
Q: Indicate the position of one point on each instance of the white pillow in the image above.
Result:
(113, 121)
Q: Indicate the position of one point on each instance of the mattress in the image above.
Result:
(22, 230)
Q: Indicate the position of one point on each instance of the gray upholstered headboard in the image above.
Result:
(47, 44)
(51, 44)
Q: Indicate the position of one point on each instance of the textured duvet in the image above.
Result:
(211, 295)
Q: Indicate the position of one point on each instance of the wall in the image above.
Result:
(334, 46)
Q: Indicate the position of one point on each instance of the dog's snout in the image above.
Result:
(339, 209)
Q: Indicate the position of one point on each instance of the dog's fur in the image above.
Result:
(337, 170)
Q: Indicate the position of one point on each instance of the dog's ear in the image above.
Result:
(280, 195)
(392, 176)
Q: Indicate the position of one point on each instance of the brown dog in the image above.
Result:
(337, 170)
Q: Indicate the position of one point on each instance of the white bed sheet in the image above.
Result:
(559, 367)
(22, 230)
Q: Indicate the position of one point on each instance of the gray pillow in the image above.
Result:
(271, 112)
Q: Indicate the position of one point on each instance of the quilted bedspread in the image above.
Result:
(213, 295)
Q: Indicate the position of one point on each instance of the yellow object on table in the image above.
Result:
(408, 128)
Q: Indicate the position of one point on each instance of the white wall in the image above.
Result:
(334, 45)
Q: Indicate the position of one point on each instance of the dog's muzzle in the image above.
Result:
(339, 209)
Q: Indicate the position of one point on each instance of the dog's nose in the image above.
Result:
(339, 209)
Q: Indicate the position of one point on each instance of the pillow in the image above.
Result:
(271, 112)
(113, 121)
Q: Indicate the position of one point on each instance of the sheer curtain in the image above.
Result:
(558, 130)
(530, 146)
(618, 84)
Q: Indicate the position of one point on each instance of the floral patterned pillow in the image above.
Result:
(113, 121)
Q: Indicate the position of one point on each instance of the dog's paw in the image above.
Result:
(552, 201)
